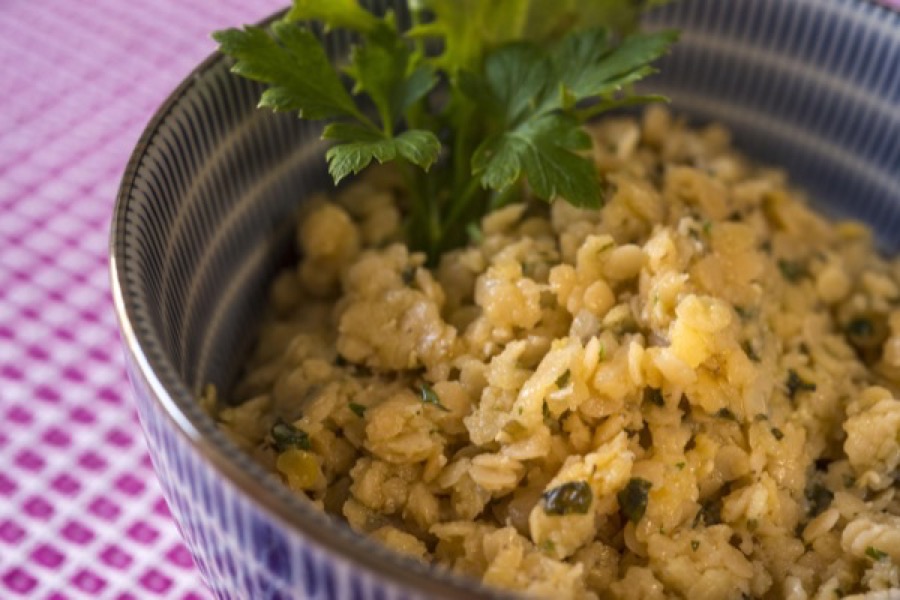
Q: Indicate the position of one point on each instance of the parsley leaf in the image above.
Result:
(543, 150)
(588, 66)
(358, 145)
(295, 65)
(384, 68)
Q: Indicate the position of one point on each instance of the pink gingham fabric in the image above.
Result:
(81, 514)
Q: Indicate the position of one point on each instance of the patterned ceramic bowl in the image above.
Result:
(205, 214)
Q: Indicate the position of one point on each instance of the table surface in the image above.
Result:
(81, 515)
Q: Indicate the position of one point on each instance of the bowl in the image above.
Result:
(205, 218)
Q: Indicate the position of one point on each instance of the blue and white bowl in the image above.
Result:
(205, 215)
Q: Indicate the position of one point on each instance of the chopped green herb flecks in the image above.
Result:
(795, 384)
(875, 554)
(791, 270)
(748, 349)
(726, 413)
(408, 275)
(819, 498)
(286, 436)
(548, 546)
(358, 409)
(633, 498)
(564, 379)
(574, 497)
(429, 396)
(752, 525)
(777, 433)
(744, 313)
(680, 466)
(710, 513)
(866, 333)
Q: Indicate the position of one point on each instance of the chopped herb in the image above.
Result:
(710, 513)
(726, 413)
(866, 334)
(654, 396)
(744, 313)
(791, 270)
(761, 417)
(777, 433)
(574, 497)
(695, 544)
(819, 498)
(691, 443)
(707, 227)
(358, 409)
(875, 554)
(633, 498)
(429, 396)
(748, 349)
(409, 275)
(286, 436)
(548, 546)
(679, 465)
(602, 352)
(752, 525)
(796, 384)
(861, 327)
(563, 379)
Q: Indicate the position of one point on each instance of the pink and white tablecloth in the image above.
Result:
(81, 515)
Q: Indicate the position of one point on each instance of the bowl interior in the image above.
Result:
(206, 211)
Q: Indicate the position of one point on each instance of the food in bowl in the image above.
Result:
(690, 391)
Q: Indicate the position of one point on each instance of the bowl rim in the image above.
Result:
(171, 394)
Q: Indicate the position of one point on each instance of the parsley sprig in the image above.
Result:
(475, 100)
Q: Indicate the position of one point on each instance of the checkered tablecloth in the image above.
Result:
(81, 515)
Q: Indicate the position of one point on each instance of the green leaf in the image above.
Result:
(633, 498)
(875, 554)
(358, 145)
(286, 436)
(542, 150)
(470, 28)
(515, 78)
(334, 14)
(588, 65)
(429, 396)
(384, 68)
(292, 61)
(570, 498)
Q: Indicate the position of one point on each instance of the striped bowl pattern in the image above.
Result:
(205, 215)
